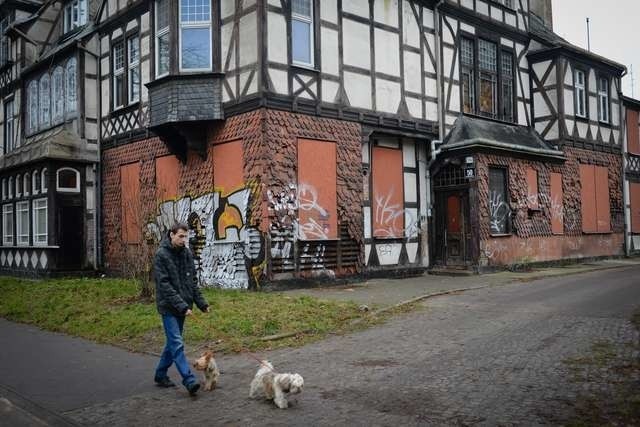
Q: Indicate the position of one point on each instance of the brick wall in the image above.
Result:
(532, 238)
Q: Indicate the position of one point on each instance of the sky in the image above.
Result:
(615, 31)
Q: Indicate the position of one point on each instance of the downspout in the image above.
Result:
(625, 184)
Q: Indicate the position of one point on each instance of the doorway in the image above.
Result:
(71, 237)
(452, 228)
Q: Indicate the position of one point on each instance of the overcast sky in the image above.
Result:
(615, 31)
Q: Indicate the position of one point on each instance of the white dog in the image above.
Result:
(272, 385)
(207, 363)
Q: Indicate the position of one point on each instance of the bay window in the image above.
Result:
(9, 136)
(22, 223)
(162, 18)
(7, 224)
(468, 79)
(507, 96)
(32, 106)
(195, 35)
(488, 65)
(45, 101)
(57, 91)
(70, 86)
(302, 32)
(40, 222)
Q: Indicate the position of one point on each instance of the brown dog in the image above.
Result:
(207, 363)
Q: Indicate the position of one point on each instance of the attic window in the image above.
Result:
(75, 14)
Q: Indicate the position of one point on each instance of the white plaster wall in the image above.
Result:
(412, 80)
(276, 38)
(411, 30)
(414, 106)
(329, 51)
(225, 40)
(280, 81)
(357, 7)
(386, 12)
(358, 88)
(248, 39)
(329, 11)
(356, 44)
(329, 91)
(387, 52)
(387, 96)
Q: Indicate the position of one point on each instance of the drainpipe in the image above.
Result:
(625, 184)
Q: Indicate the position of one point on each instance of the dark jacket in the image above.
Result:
(176, 280)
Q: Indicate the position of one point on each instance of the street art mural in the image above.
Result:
(229, 253)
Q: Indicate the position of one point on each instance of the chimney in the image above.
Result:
(542, 9)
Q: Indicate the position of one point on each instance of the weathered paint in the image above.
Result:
(388, 197)
(130, 190)
(167, 173)
(634, 193)
(228, 166)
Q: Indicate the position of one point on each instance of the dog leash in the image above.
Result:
(253, 356)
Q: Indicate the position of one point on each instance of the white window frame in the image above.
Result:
(44, 185)
(309, 20)
(161, 32)
(10, 189)
(26, 184)
(71, 22)
(580, 92)
(133, 65)
(34, 182)
(118, 73)
(22, 239)
(40, 238)
(18, 185)
(7, 238)
(603, 100)
(194, 25)
(75, 189)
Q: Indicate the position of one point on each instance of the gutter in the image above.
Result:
(626, 202)
(482, 142)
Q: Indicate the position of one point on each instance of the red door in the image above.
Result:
(454, 240)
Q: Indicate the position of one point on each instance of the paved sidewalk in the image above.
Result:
(386, 292)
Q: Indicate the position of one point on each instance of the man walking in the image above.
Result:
(176, 291)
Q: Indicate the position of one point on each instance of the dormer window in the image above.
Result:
(75, 14)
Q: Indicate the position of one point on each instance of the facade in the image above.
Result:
(50, 143)
(315, 139)
(631, 163)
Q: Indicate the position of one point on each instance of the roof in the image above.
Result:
(631, 102)
(538, 29)
(59, 143)
(474, 133)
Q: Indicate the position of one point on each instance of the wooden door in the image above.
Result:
(454, 231)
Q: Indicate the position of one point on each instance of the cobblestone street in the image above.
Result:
(490, 356)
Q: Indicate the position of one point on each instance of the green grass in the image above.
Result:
(108, 311)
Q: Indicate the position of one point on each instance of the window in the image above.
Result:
(118, 75)
(40, 222)
(302, 32)
(57, 90)
(45, 101)
(133, 49)
(195, 35)
(9, 135)
(506, 61)
(489, 89)
(26, 184)
(162, 37)
(10, 192)
(68, 180)
(18, 185)
(468, 80)
(35, 182)
(44, 180)
(4, 189)
(7, 224)
(75, 14)
(487, 62)
(499, 209)
(4, 41)
(22, 223)
(595, 204)
(70, 86)
(603, 99)
(580, 93)
(32, 95)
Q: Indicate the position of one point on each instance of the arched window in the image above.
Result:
(45, 100)
(70, 87)
(35, 182)
(57, 89)
(18, 185)
(10, 192)
(32, 95)
(26, 184)
(44, 176)
(4, 189)
(68, 180)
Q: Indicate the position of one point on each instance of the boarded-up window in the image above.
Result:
(228, 167)
(557, 205)
(595, 205)
(317, 192)
(130, 196)
(634, 190)
(532, 188)
(167, 176)
(388, 192)
(499, 209)
(633, 130)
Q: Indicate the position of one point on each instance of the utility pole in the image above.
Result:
(588, 36)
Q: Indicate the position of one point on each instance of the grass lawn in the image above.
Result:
(108, 311)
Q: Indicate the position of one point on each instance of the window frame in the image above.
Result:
(7, 238)
(44, 100)
(577, 89)
(20, 223)
(118, 94)
(34, 182)
(195, 25)
(75, 189)
(36, 231)
(9, 127)
(606, 95)
(158, 34)
(70, 104)
(58, 99)
(18, 183)
(44, 185)
(507, 223)
(70, 22)
(5, 41)
(310, 20)
(133, 65)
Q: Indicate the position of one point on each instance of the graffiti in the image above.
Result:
(314, 258)
(499, 211)
(385, 250)
(228, 252)
(283, 208)
(390, 218)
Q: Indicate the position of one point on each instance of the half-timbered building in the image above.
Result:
(48, 166)
(631, 162)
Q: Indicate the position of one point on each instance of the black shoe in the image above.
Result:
(193, 388)
(164, 382)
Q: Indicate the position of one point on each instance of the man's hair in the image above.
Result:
(178, 226)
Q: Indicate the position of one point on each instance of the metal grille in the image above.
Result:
(466, 50)
(633, 164)
(450, 176)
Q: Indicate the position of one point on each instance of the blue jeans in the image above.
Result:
(174, 350)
